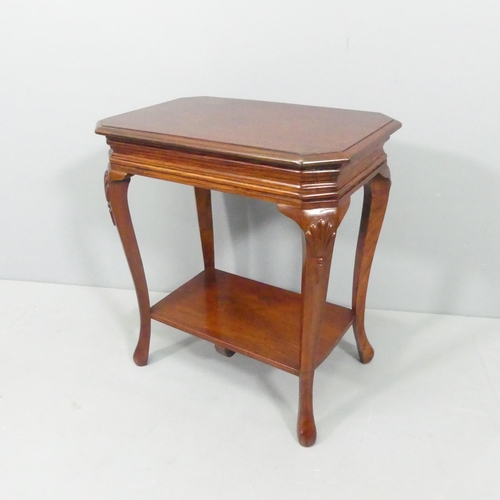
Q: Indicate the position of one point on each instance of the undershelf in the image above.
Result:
(249, 317)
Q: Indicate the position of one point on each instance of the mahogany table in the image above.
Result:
(308, 160)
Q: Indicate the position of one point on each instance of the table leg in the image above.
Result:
(205, 222)
(319, 227)
(204, 209)
(116, 187)
(374, 207)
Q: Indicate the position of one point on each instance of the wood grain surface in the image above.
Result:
(308, 160)
(304, 136)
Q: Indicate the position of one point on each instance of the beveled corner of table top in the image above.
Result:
(279, 133)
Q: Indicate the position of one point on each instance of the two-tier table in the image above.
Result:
(308, 160)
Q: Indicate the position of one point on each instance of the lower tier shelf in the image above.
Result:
(249, 317)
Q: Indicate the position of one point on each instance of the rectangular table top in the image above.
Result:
(302, 136)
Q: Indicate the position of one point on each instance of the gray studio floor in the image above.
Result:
(78, 420)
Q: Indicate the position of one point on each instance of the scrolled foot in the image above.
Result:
(306, 427)
(306, 430)
(365, 350)
(140, 357)
(366, 355)
(223, 351)
(141, 352)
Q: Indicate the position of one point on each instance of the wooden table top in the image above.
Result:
(282, 134)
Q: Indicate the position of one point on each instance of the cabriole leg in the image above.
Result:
(374, 207)
(319, 227)
(116, 187)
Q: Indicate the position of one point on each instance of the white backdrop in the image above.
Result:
(434, 65)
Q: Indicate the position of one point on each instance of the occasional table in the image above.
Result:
(307, 160)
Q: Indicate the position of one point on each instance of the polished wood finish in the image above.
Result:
(248, 317)
(319, 227)
(307, 160)
(273, 133)
(116, 188)
(309, 169)
(204, 211)
(374, 207)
